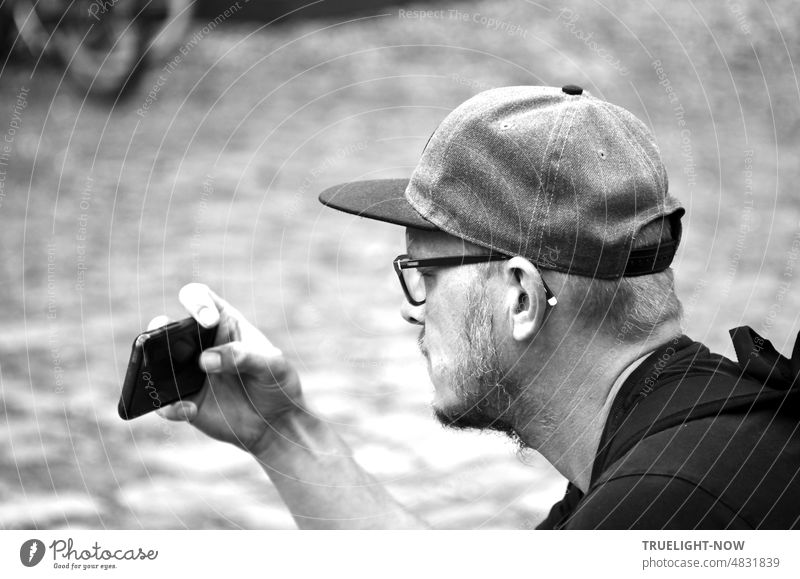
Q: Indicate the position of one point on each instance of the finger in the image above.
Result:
(183, 411)
(224, 307)
(199, 299)
(196, 298)
(157, 322)
(245, 358)
(239, 327)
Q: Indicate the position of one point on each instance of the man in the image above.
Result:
(539, 237)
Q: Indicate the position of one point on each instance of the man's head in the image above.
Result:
(469, 322)
(571, 192)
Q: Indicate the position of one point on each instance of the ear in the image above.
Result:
(525, 298)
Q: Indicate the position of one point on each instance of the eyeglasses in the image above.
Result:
(412, 279)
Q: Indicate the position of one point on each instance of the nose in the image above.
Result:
(413, 314)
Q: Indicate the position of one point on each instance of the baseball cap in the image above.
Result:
(556, 175)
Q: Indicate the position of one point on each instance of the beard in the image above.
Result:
(483, 399)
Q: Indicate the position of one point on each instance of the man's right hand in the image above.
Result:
(252, 398)
(251, 388)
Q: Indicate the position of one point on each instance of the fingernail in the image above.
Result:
(188, 411)
(211, 361)
(207, 317)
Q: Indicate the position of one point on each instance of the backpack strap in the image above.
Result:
(763, 378)
(760, 360)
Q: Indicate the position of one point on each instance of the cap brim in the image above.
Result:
(381, 199)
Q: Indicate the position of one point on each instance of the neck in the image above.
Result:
(571, 401)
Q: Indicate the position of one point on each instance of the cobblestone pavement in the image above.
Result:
(107, 211)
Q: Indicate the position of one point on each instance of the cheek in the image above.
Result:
(445, 311)
(445, 303)
(439, 334)
(444, 342)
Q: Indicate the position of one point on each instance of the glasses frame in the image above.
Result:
(403, 261)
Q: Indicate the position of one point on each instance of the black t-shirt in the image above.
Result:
(733, 469)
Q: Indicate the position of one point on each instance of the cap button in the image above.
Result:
(572, 89)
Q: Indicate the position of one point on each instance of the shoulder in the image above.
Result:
(695, 444)
(652, 501)
(727, 471)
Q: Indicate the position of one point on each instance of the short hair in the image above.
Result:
(630, 308)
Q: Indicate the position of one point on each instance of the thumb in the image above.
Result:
(183, 411)
(196, 298)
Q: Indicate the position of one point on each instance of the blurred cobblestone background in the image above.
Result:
(105, 212)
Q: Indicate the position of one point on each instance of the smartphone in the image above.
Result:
(164, 367)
